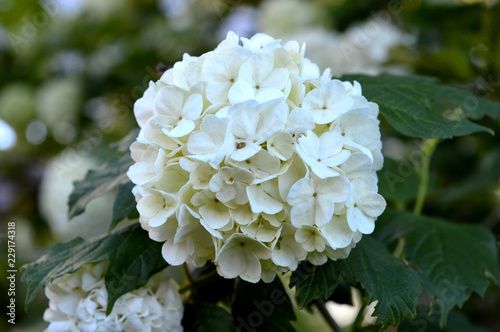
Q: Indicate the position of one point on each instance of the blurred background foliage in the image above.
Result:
(70, 71)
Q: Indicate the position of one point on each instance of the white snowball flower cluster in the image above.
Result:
(250, 158)
(78, 301)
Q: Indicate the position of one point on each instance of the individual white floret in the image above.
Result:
(363, 207)
(312, 199)
(240, 256)
(328, 102)
(323, 154)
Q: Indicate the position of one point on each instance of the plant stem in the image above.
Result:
(187, 274)
(427, 151)
(398, 252)
(320, 304)
(359, 317)
(191, 281)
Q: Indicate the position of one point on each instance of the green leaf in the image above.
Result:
(451, 259)
(398, 182)
(424, 321)
(132, 260)
(385, 278)
(207, 317)
(481, 182)
(263, 307)
(314, 281)
(419, 106)
(124, 206)
(97, 183)
(132, 257)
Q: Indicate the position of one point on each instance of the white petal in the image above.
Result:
(280, 145)
(337, 232)
(215, 214)
(193, 107)
(260, 201)
(182, 128)
(241, 91)
(372, 204)
(231, 263)
(247, 152)
(174, 254)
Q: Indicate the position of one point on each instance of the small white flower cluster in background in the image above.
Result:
(78, 301)
(250, 158)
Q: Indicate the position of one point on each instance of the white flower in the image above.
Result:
(213, 211)
(262, 230)
(78, 301)
(259, 80)
(176, 110)
(313, 199)
(212, 142)
(221, 73)
(240, 256)
(328, 102)
(156, 206)
(230, 184)
(191, 239)
(250, 158)
(253, 123)
(263, 197)
(323, 154)
(310, 238)
(363, 207)
(287, 251)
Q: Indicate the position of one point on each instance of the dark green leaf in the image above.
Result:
(207, 317)
(451, 259)
(480, 183)
(263, 307)
(97, 183)
(213, 287)
(314, 281)
(385, 278)
(418, 106)
(430, 323)
(132, 256)
(124, 205)
(398, 181)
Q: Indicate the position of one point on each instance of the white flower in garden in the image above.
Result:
(156, 206)
(213, 211)
(176, 111)
(250, 158)
(78, 301)
(253, 123)
(263, 197)
(230, 184)
(221, 73)
(240, 256)
(323, 154)
(328, 102)
(313, 199)
(363, 207)
(258, 79)
(287, 251)
(212, 142)
(187, 239)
